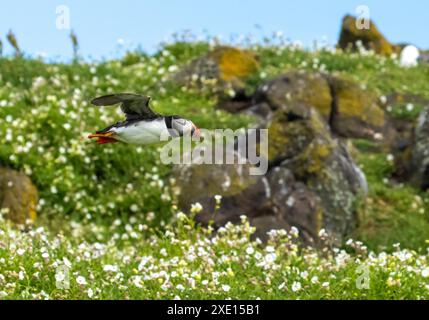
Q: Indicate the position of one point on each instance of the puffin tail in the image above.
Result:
(103, 138)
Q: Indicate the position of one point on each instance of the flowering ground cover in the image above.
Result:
(108, 226)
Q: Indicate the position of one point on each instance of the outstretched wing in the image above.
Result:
(134, 106)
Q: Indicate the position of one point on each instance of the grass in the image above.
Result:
(108, 216)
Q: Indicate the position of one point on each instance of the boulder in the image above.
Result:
(222, 68)
(312, 182)
(296, 86)
(355, 111)
(370, 39)
(420, 151)
(18, 196)
(351, 111)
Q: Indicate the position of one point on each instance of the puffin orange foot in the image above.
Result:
(103, 138)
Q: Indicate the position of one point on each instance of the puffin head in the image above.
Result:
(181, 127)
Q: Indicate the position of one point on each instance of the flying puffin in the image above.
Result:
(142, 125)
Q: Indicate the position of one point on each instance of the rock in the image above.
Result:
(224, 68)
(371, 39)
(420, 152)
(324, 164)
(18, 195)
(351, 111)
(355, 113)
(296, 86)
(312, 182)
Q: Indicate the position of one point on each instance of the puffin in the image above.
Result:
(142, 126)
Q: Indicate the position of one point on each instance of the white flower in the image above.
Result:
(270, 258)
(250, 250)
(226, 287)
(409, 107)
(269, 249)
(294, 232)
(314, 280)
(20, 251)
(296, 286)
(181, 216)
(425, 273)
(109, 267)
(90, 293)
(196, 207)
(134, 208)
(322, 233)
(81, 280)
(390, 157)
(218, 199)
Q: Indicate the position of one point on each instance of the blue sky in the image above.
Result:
(99, 24)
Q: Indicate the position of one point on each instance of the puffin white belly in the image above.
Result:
(142, 132)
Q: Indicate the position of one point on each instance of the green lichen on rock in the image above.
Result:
(233, 63)
(370, 38)
(323, 162)
(222, 68)
(18, 196)
(356, 112)
(310, 89)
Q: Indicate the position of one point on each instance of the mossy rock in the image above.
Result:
(291, 131)
(356, 112)
(323, 163)
(371, 38)
(351, 111)
(420, 152)
(222, 68)
(311, 89)
(18, 196)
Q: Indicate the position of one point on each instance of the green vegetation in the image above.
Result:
(108, 214)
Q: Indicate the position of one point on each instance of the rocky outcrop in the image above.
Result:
(355, 112)
(371, 38)
(420, 152)
(350, 110)
(18, 196)
(312, 182)
(222, 68)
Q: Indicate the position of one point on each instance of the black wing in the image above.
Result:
(134, 106)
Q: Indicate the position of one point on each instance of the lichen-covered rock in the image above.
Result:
(420, 151)
(312, 182)
(311, 89)
(222, 68)
(273, 201)
(371, 38)
(355, 111)
(325, 165)
(18, 196)
(351, 111)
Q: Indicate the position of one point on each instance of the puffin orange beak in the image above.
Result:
(196, 132)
